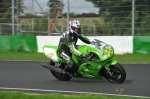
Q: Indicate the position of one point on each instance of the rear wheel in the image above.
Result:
(62, 77)
(59, 76)
(116, 74)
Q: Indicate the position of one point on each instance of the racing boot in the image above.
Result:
(69, 70)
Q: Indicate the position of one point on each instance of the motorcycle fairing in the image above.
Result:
(52, 53)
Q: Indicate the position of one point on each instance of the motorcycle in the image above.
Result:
(98, 64)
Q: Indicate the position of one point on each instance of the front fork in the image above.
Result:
(110, 63)
(107, 67)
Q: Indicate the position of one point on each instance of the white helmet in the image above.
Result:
(74, 24)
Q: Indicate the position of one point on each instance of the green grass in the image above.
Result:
(34, 56)
(31, 56)
(133, 58)
(20, 95)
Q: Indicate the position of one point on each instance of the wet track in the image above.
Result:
(31, 75)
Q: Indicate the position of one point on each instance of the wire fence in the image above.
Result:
(98, 18)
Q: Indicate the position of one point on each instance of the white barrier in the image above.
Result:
(121, 44)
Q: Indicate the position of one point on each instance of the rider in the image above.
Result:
(68, 42)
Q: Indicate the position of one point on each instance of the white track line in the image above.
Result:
(71, 92)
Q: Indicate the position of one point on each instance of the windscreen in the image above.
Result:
(99, 44)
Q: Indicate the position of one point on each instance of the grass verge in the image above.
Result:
(133, 58)
(31, 56)
(34, 56)
(21, 95)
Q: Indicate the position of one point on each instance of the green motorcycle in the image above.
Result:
(97, 65)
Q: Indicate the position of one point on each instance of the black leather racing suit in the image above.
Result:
(67, 45)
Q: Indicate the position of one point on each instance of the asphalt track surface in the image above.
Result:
(31, 75)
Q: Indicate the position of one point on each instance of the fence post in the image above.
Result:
(68, 14)
(133, 8)
(13, 18)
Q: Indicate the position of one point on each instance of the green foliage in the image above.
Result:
(115, 26)
(41, 24)
(142, 24)
(5, 10)
(52, 4)
(117, 17)
(20, 49)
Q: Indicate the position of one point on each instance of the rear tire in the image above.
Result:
(62, 77)
(118, 74)
(59, 76)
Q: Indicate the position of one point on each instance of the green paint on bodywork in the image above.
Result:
(92, 69)
(110, 63)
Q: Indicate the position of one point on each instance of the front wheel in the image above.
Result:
(117, 74)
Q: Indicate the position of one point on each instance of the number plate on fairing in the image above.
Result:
(50, 53)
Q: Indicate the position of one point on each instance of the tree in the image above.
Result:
(119, 8)
(5, 10)
(118, 13)
(40, 22)
(53, 4)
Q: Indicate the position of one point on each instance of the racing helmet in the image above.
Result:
(75, 27)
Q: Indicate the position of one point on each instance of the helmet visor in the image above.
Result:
(78, 30)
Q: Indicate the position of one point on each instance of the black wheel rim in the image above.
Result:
(116, 74)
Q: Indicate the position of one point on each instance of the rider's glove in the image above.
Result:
(83, 55)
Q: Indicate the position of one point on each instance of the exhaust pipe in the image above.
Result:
(52, 68)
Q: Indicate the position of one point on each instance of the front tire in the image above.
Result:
(117, 72)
